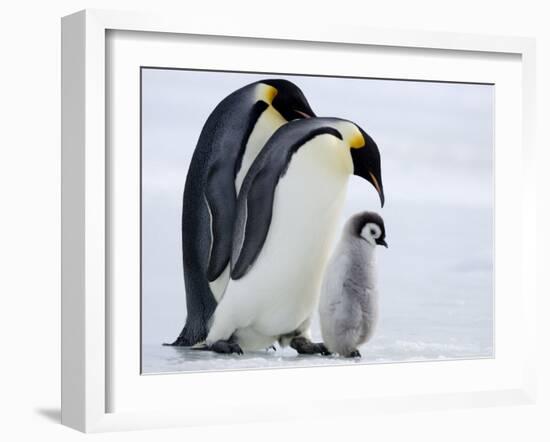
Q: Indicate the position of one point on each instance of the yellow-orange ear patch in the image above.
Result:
(357, 140)
(269, 93)
(375, 182)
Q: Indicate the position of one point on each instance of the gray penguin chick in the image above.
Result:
(348, 305)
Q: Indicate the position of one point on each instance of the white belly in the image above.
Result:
(269, 121)
(281, 289)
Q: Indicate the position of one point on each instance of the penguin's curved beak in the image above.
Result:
(366, 164)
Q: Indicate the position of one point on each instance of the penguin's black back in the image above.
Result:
(210, 187)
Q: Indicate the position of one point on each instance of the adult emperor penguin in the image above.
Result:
(288, 209)
(230, 140)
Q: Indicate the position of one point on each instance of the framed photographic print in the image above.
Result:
(435, 297)
(244, 208)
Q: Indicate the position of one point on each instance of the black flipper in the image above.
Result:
(255, 201)
(220, 193)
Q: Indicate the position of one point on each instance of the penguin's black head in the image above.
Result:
(289, 100)
(368, 226)
(366, 162)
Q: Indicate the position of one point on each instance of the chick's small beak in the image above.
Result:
(382, 242)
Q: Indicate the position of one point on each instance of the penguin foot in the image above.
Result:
(226, 347)
(354, 354)
(324, 350)
(305, 347)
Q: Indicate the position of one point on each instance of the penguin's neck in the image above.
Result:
(365, 245)
(369, 254)
(366, 250)
(269, 121)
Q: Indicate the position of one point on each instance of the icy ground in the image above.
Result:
(162, 359)
(436, 300)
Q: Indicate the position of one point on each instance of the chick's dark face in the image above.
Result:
(290, 101)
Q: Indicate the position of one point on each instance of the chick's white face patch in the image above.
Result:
(371, 232)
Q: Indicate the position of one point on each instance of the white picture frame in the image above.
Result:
(85, 215)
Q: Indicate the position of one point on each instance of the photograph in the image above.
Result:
(307, 220)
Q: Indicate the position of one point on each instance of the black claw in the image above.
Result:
(324, 350)
(305, 347)
(235, 348)
(354, 354)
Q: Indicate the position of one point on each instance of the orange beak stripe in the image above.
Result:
(303, 114)
(375, 182)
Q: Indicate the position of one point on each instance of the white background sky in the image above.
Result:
(436, 145)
